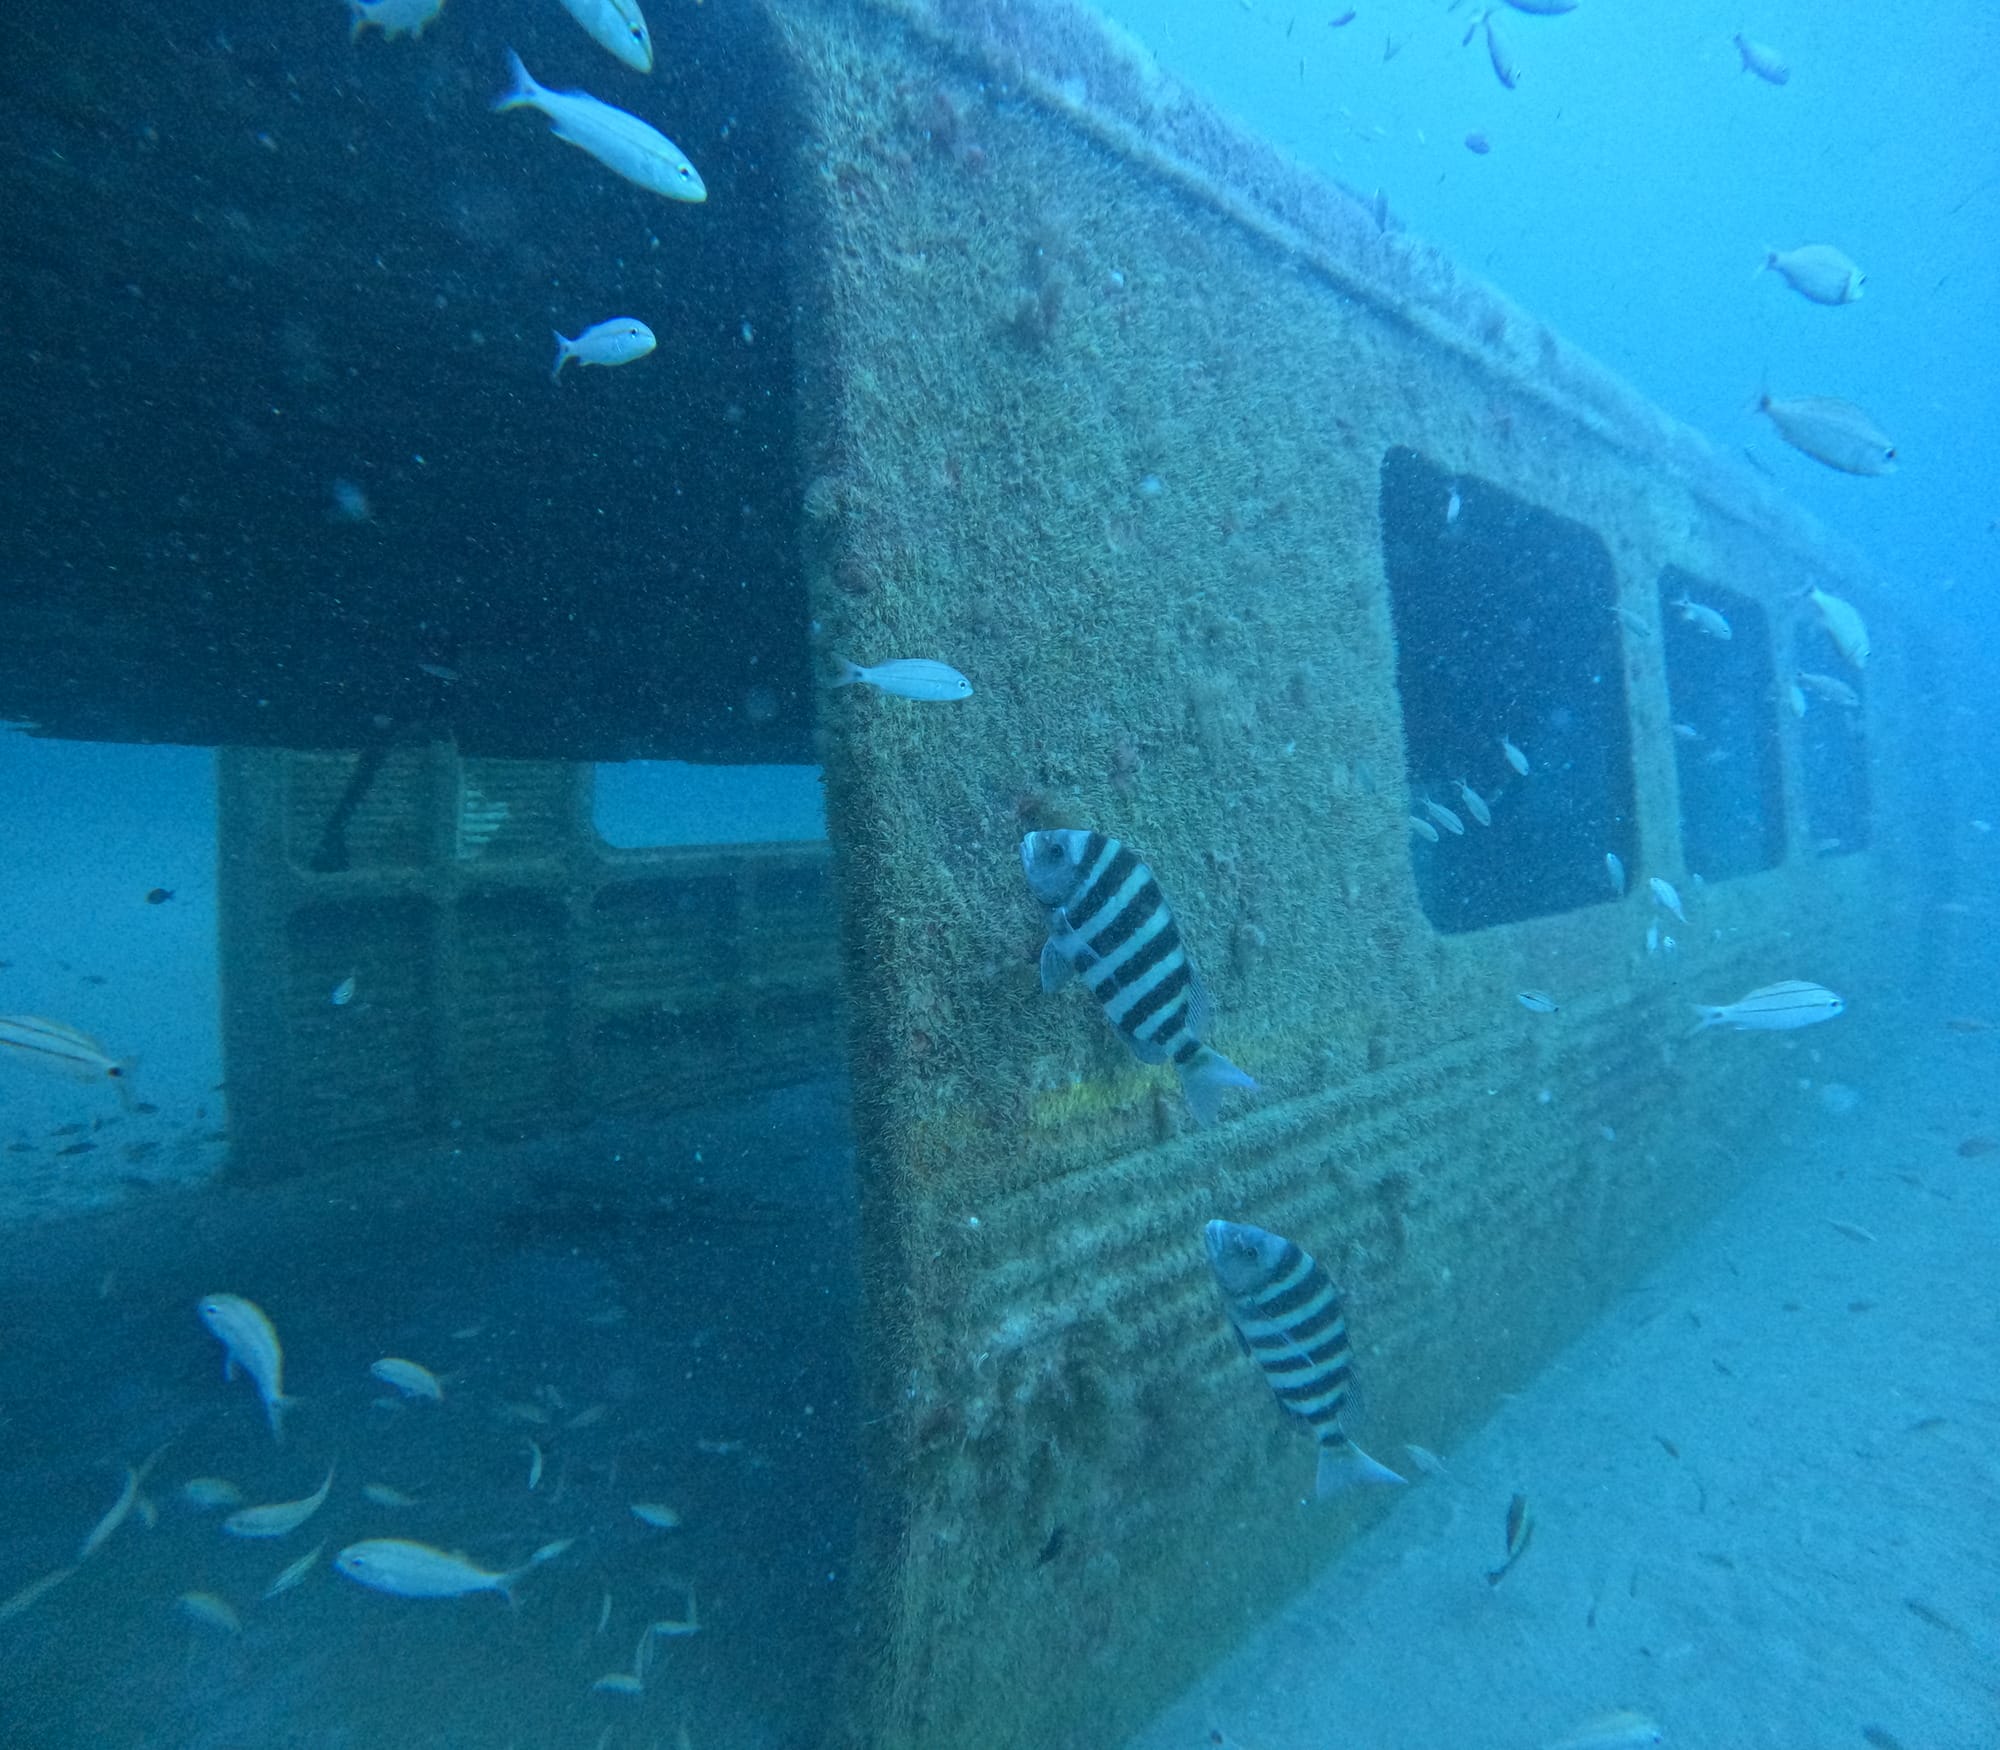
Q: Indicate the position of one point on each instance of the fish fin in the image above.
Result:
(1770, 261)
(1711, 1016)
(850, 672)
(564, 353)
(1206, 1078)
(1345, 1466)
(524, 92)
(228, 1366)
(1057, 967)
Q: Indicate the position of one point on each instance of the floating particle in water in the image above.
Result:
(1478, 144)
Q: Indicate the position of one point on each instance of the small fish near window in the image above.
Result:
(1826, 691)
(1717, 646)
(1513, 692)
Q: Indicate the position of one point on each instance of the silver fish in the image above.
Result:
(121, 1509)
(657, 1515)
(293, 1572)
(249, 1341)
(57, 1046)
(1831, 431)
(1831, 688)
(1501, 54)
(411, 1378)
(418, 1570)
(393, 18)
(1763, 60)
(1537, 1002)
(616, 341)
(1843, 624)
(1633, 622)
(1109, 921)
(1288, 1315)
(278, 1518)
(1423, 829)
(1614, 871)
(619, 26)
(1623, 1730)
(205, 1494)
(210, 1611)
(1666, 897)
(343, 993)
(1773, 1008)
(910, 678)
(1795, 696)
(620, 142)
(1817, 271)
(34, 1592)
(1702, 617)
(1475, 804)
(1445, 818)
(1513, 755)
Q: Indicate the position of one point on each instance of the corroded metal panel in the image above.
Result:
(1100, 396)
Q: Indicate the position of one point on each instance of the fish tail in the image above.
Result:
(850, 672)
(274, 1413)
(564, 353)
(1712, 1015)
(524, 90)
(1205, 1078)
(1345, 1467)
(1770, 261)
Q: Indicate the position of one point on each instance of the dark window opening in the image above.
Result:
(1833, 745)
(1506, 634)
(1725, 728)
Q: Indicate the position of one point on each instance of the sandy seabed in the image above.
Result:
(1766, 1487)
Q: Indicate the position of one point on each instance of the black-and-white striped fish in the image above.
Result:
(1109, 922)
(1288, 1313)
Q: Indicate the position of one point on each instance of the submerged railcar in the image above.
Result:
(1264, 533)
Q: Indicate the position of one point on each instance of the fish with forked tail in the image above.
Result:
(250, 1341)
(1773, 1008)
(1109, 922)
(1289, 1316)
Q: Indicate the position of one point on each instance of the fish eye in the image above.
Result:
(638, 33)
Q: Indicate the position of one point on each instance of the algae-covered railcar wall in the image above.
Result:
(1100, 400)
